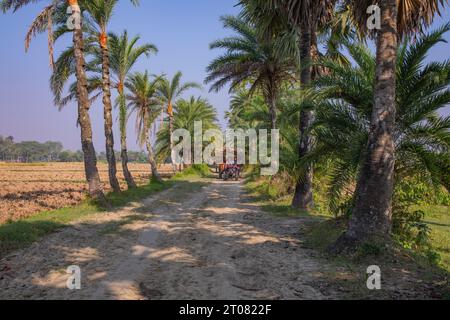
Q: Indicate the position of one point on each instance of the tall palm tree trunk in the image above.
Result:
(371, 216)
(170, 112)
(271, 100)
(151, 160)
(90, 158)
(107, 113)
(151, 156)
(123, 139)
(303, 196)
(273, 113)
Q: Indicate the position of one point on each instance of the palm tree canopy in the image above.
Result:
(247, 112)
(412, 17)
(124, 53)
(170, 90)
(297, 12)
(421, 135)
(55, 14)
(307, 12)
(249, 59)
(186, 112)
(144, 101)
(101, 11)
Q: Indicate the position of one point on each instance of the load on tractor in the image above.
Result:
(229, 170)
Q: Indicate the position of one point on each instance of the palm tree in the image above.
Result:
(170, 91)
(146, 103)
(90, 159)
(123, 55)
(248, 112)
(420, 136)
(251, 59)
(44, 21)
(186, 112)
(305, 17)
(373, 203)
(101, 12)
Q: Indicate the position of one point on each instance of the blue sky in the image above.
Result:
(182, 31)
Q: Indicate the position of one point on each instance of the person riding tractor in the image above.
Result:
(229, 169)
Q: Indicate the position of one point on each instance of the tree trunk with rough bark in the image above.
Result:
(170, 113)
(371, 218)
(90, 158)
(271, 100)
(303, 196)
(151, 157)
(123, 139)
(107, 113)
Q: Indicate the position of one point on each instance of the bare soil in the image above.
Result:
(26, 189)
(198, 240)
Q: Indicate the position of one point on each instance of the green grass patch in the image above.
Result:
(194, 171)
(271, 197)
(438, 219)
(136, 194)
(17, 234)
(322, 234)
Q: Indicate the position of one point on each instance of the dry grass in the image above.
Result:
(26, 189)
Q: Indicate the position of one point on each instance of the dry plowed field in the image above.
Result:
(29, 188)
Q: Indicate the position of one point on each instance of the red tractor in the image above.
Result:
(229, 170)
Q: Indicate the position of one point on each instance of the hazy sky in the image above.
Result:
(182, 31)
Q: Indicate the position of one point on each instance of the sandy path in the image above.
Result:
(199, 240)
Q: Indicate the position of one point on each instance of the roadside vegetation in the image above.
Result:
(319, 229)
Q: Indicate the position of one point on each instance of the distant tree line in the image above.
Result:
(50, 151)
(133, 156)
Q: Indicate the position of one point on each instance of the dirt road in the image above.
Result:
(198, 240)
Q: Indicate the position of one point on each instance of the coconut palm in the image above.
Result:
(45, 18)
(124, 53)
(170, 91)
(251, 59)
(143, 99)
(421, 136)
(186, 112)
(372, 213)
